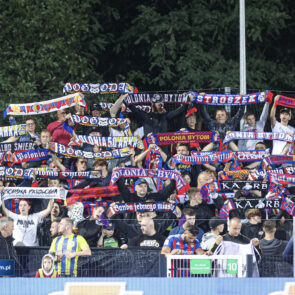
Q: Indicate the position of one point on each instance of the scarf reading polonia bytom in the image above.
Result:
(111, 141)
(162, 139)
(26, 156)
(70, 152)
(101, 122)
(33, 193)
(181, 185)
(44, 107)
(14, 130)
(232, 99)
(101, 88)
(148, 98)
(243, 135)
(16, 146)
(144, 207)
(286, 101)
(241, 156)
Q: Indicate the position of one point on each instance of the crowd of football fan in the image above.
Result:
(71, 230)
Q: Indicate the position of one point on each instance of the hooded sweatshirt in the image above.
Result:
(272, 247)
(42, 273)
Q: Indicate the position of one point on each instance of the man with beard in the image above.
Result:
(185, 243)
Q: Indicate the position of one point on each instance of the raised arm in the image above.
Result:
(264, 114)
(47, 211)
(58, 162)
(117, 105)
(272, 115)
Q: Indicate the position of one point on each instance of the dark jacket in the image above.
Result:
(252, 230)
(230, 124)
(132, 197)
(273, 247)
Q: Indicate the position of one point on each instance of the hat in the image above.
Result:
(157, 98)
(215, 221)
(140, 181)
(109, 226)
(285, 110)
(95, 106)
(96, 129)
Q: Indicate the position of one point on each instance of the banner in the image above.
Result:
(14, 130)
(162, 139)
(243, 135)
(144, 207)
(70, 152)
(33, 193)
(230, 185)
(101, 88)
(44, 107)
(232, 99)
(111, 141)
(17, 146)
(286, 101)
(181, 185)
(148, 98)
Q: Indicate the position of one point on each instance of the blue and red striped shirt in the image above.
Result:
(177, 242)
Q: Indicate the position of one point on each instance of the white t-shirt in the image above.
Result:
(25, 228)
(278, 146)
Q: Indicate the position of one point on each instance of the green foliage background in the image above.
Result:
(154, 45)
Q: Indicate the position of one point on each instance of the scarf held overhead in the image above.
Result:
(162, 139)
(33, 193)
(232, 99)
(17, 146)
(26, 156)
(286, 101)
(14, 130)
(100, 88)
(181, 185)
(242, 135)
(144, 207)
(44, 107)
(148, 98)
(70, 152)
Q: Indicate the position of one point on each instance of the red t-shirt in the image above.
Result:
(58, 133)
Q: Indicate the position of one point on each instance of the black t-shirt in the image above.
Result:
(157, 240)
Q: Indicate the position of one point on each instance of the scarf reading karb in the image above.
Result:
(231, 185)
(26, 156)
(44, 107)
(232, 99)
(16, 146)
(181, 185)
(243, 135)
(162, 139)
(101, 88)
(70, 152)
(148, 98)
(33, 193)
(286, 101)
(144, 207)
(111, 141)
(14, 130)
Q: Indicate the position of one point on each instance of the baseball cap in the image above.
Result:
(285, 110)
(95, 106)
(215, 221)
(140, 181)
(109, 226)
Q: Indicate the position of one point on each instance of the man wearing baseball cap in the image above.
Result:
(280, 127)
(216, 225)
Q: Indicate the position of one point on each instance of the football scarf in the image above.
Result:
(238, 174)
(162, 139)
(231, 185)
(148, 98)
(44, 107)
(283, 179)
(27, 156)
(108, 105)
(243, 135)
(144, 207)
(226, 208)
(286, 101)
(111, 141)
(14, 130)
(232, 99)
(17, 146)
(287, 206)
(10, 172)
(100, 122)
(181, 185)
(33, 193)
(99, 88)
(275, 160)
(70, 152)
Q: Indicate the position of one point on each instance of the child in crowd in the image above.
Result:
(47, 270)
